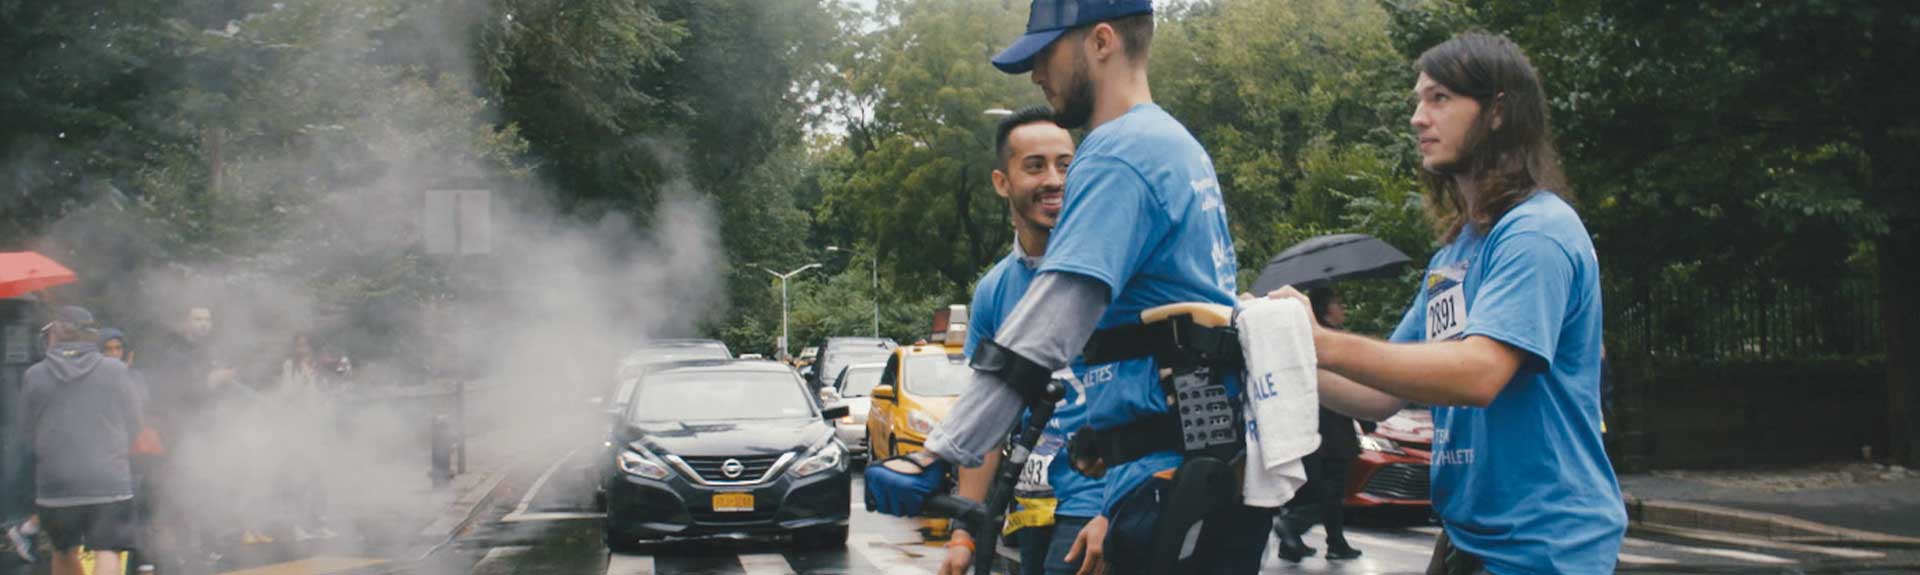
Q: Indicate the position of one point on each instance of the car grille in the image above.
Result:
(708, 468)
(1399, 481)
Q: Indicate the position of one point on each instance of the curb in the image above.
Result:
(477, 491)
(1773, 526)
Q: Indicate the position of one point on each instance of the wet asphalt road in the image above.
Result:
(551, 530)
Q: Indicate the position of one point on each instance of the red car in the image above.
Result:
(1393, 463)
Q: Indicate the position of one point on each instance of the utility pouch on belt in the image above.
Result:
(1196, 348)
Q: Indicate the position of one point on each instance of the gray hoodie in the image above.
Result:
(80, 413)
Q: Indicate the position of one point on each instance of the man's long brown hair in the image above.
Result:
(1507, 164)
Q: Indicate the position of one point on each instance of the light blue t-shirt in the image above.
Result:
(1076, 495)
(1143, 215)
(1524, 483)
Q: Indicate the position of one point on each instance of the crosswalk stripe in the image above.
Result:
(618, 564)
(310, 565)
(766, 564)
(869, 546)
(1372, 541)
(551, 516)
(499, 559)
(1748, 556)
(1644, 560)
(1715, 537)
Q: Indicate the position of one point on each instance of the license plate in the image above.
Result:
(733, 502)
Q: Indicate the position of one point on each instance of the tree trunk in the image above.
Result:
(1900, 318)
(970, 230)
(1887, 119)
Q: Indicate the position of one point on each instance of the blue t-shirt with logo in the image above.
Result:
(994, 298)
(1524, 483)
(1144, 216)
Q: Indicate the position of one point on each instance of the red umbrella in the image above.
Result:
(26, 272)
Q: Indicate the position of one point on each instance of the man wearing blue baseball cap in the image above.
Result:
(1143, 226)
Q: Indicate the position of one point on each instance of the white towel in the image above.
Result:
(1283, 401)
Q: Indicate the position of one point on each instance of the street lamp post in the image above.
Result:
(783, 301)
(874, 291)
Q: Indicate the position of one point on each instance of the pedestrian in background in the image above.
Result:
(304, 399)
(147, 447)
(80, 414)
(1319, 501)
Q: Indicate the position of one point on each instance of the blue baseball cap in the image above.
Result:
(1051, 18)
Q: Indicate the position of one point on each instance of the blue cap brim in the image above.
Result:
(1018, 58)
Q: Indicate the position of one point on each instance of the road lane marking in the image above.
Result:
(883, 555)
(1747, 556)
(766, 564)
(1644, 560)
(618, 564)
(538, 484)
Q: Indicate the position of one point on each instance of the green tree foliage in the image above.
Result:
(1768, 143)
(916, 182)
(1302, 106)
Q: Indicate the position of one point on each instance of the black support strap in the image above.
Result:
(1028, 378)
(1176, 342)
(1138, 439)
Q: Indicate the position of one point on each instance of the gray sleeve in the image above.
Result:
(1049, 326)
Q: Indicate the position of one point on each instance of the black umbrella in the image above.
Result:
(1321, 260)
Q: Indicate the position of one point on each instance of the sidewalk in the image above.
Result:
(404, 522)
(1855, 504)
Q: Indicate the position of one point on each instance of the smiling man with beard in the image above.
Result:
(1143, 226)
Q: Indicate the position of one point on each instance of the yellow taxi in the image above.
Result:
(920, 383)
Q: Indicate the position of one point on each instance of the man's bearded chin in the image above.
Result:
(1077, 109)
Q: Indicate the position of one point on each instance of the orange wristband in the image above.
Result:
(960, 543)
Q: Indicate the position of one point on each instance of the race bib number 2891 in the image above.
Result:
(1446, 303)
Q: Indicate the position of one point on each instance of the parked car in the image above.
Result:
(917, 386)
(727, 447)
(1393, 463)
(851, 389)
(839, 352)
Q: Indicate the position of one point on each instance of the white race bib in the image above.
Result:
(1446, 303)
(1033, 478)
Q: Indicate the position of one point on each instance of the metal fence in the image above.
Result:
(1744, 319)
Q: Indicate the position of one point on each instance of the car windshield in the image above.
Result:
(841, 357)
(860, 381)
(937, 375)
(710, 395)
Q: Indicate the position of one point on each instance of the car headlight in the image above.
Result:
(848, 420)
(1380, 444)
(639, 465)
(822, 459)
(920, 422)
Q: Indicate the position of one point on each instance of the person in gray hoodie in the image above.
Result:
(80, 413)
